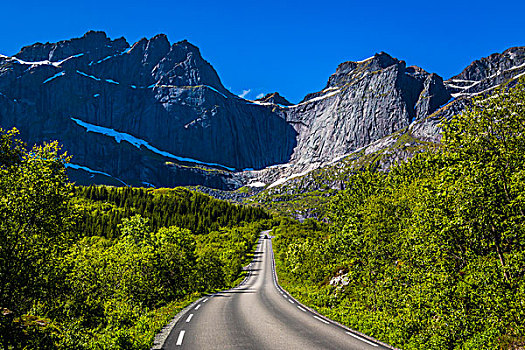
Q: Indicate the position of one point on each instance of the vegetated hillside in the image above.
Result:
(81, 268)
(309, 195)
(431, 254)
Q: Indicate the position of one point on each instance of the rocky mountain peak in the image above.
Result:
(348, 71)
(488, 72)
(158, 113)
(183, 65)
(380, 61)
(415, 70)
(363, 102)
(274, 98)
(93, 43)
(155, 49)
(159, 42)
(493, 64)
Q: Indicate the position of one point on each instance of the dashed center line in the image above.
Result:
(320, 319)
(180, 338)
(197, 307)
(362, 339)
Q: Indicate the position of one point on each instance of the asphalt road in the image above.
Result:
(258, 314)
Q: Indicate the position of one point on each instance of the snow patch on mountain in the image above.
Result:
(214, 89)
(284, 179)
(256, 184)
(109, 57)
(474, 83)
(41, 63)
(54, 77)
(81, 167)
(318, 98)
(366, 59)
(121, 136)
(88, 76)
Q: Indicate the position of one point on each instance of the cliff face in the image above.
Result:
(133, 111)
(370, 106)
(480, 77)
(157, 113)
(361, 103)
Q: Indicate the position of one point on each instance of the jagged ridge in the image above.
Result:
(166, 95)
(157, 112)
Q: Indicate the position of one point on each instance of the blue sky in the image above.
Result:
(286, 46)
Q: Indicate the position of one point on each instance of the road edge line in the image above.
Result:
(162, 336)
(346, 328)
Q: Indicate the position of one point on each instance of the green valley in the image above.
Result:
(105, 267)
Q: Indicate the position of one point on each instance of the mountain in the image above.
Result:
(151, 113)
(274, 98)
(480, 77)
(363, 102)
(308, 194)
(379, 109)
(156, 113)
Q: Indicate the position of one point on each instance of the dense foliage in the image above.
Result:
(104, 207)
(105, 268)
(430, 255)
(35, 221)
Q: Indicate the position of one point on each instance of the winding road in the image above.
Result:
(258, 314)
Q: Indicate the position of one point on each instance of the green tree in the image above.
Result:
(35, 227)
(11, 148)
(486, 151)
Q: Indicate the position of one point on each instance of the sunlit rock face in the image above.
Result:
(366, 106)
(361, 103)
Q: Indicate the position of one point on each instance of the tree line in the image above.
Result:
(102, 208)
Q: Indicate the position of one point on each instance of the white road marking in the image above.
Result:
(320, 319)
(198, 307)
(362, 339)
(291, 301)
(179, 339)
(189, 318)
(205, 300)
(300, 308)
